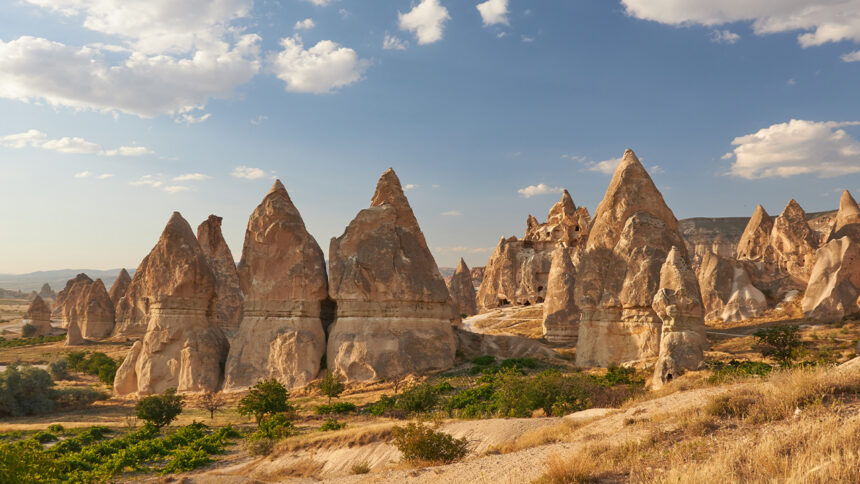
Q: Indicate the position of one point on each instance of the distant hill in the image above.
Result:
(57, 279)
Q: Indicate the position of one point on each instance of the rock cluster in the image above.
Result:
(847, 220)
(393, 309)
(560, 312)
(462, 291)
(727, 292)
(565, 224)
(46, 292)
(86, 304)
(39, 315)
(228, 308)
(119, 286)
(283, 276)
(182, 347)
(68, 296)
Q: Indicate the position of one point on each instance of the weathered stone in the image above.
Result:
(565, 224)
(679, 305)
(847, 220)
(727, 293)
(462, 291)
(619, 273)
(834, 284)
(94, 312)
(182, 347)
(794, 243)
(68, 297)
(283, 276)
(560, 312)
(228, 308)
(393, 308)
(73, 334)
(46, 292)
(755, 241)
(119, 286)
(40, 316)
(473, 345)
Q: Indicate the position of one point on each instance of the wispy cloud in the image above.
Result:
(305, 24)
(409, 186)
(37, 139)
(259, 120)
(391, 42)
(248, 173)
(539, 189)
(452, 213)
(191, 177)
(724, 37)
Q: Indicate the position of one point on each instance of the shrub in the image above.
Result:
(485, 360)
(330, 385)
(780, 342)
(56, 428)
(267, 397)
(362, 467)
(28, 330)
(71, 398)
(187, 459)
(619, 375)
(41, 339)
(259, 447)
(418, 442)
(417, 399)
(444, 387)
(276, 426)
(160, 410)
(43, 437)
(211, 402)
(332, 424)
(520, 363)
(382, 405)
(58, 369)
(336, 407)
(517, 396)
(734, 368)
(96, 364)
(25, 391)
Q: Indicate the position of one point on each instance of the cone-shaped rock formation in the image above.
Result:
(68, 297)
(560, 313)
(847, 221)
(794, 243)
(283, 276)
(39, 315)
(755, 241)
(463, 302)
(94, 312)
(46, 292)
(228, 308)
(393, 308)
(119, 286)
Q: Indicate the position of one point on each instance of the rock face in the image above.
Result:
(619, 273)
(727, 293)
(68, 297)
(393, 309)
(73, 335)
(228, 309)
(182, 347)
(477, 276)
(46, 292)
(462, 292)
(847, 221)
(678, 303)
(283, 276)
(94, 312)
(119, 286)
(565, 224)
(755, 241)
(40, 316)
(794, 243)
(718, 236)
(472, 345)
(834, 285)
(560, 312)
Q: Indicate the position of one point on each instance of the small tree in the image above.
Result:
(781, 342)
(59, 369)
(211, 402)
(28, 330)
(160, 410)
(331, 385)
(267, 397)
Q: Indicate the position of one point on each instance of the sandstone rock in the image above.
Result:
(119, 286)
(834, 284)
(727, 293)
(619, 273)
(393, 309)
(755, 241)
(477, 276)
(40, 316)
(46, 292)
(560, 313)
(703, 235)
(679, 305)
(847, 220)
(462, 291)
(473, 345)
(73, 334)
(228, 308)
(182, 347)
(517, 273)
(283, 276)
(68, 297)
(794, 243)
(94, 312)
(565, 224)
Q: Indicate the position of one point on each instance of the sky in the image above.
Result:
(115, 113)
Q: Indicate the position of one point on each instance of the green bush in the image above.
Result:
(96, 364)
(25, 391)
(38, 340)
(276, 427)
(267, 397)
(780, 342)
(72, 398)
(485, 360)
(556, 394)
(58, 369)
(160, 410)
(619, 375)
(336, 407)
(381, 406)
(28, 330)
(520, 363)
(330, 385)
(417, 398)
(418, 442)
(332, 424)
(444, 387)
(56, 428)
(725, 371)
(43, 437)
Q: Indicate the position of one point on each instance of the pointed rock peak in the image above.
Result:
(209, 233)
(178, 227)
(389, 190)
(567, 200)
(38, 304)
(793, 209)
(98, 286)
(847, 204)
(760, 214)
(462, 267)
(123, 274)
(277, 187)
(629, 161)
(532, 221)
(675, 258)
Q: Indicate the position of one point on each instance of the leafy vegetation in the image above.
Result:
(332, 424)
(26, 390)
(160, 410)
(59, 369)
(331, 386)
(28, 330)
(96, 364)
(266, 398)
(421, 443)
(211, 402)
(37, 340)
(725, 371)
(780, 342)
(336, 407)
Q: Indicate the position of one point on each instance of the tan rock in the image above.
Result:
(727, 292)
(182, 347)
(46, 292)
(68, 298)
(560, 312)
(473, 345)
(73, 334)
(794, 243)
(40, 316)
(119, 286)
(619, 273)
(283, 276)
(228, 308)
(834, 284)
(393, 308)
(565, 224)
(679, 305)
(847, 221)
(477, 276)
(462, 291)
(94, 312)
(755, 241)
(517, 273)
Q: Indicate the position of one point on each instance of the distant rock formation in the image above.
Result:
(283, 276)
(119, 286)
(794, 243)
(73, 334)
(847, 220)
(94, 312)
(182, 347)
(393, 308)
(518, 270)
(46, 292)
(40, 316)
(228, 309)
(755, 241)
(462, 291)
(727, 293)
(473, 345)
(678, 303)
(718, 236)
(619, 273)
(560, 312)
(69, 296)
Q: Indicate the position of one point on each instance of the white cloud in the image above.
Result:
(656, 169)
(426, 20)
(149, 180)
(34, 138)
(409, 186)
(391, 42)
(192, 177)
(191, 119)
(104, 176)
(452, 213)
(259, 120)
(851, 57)
(320, 3)
(724, 37)
(305, 24)
(248, 173)
(607, 167)
(494, 12)
(539, 189)
(797, 147)
(318, 70)
(83, 174)
(526, 39)
(818, 21)
(501, 34)
(176, 188)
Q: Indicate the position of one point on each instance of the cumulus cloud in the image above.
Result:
(305, 24)
(391, 42)
(851, 57)
(724, 37)
(794, 148)
(320, 69)
(191, 177)
(426, 20)
(818, 21)
(176, 188)
(494, 12)
(607, 167)
(409, 186)
(539, 189)
(248, 173)
(34, 138)
(452, 213)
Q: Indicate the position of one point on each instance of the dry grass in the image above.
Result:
(302, 468)
(560, 432)
(581, 467)
(346, 438)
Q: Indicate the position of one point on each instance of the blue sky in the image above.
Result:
(484, 113)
